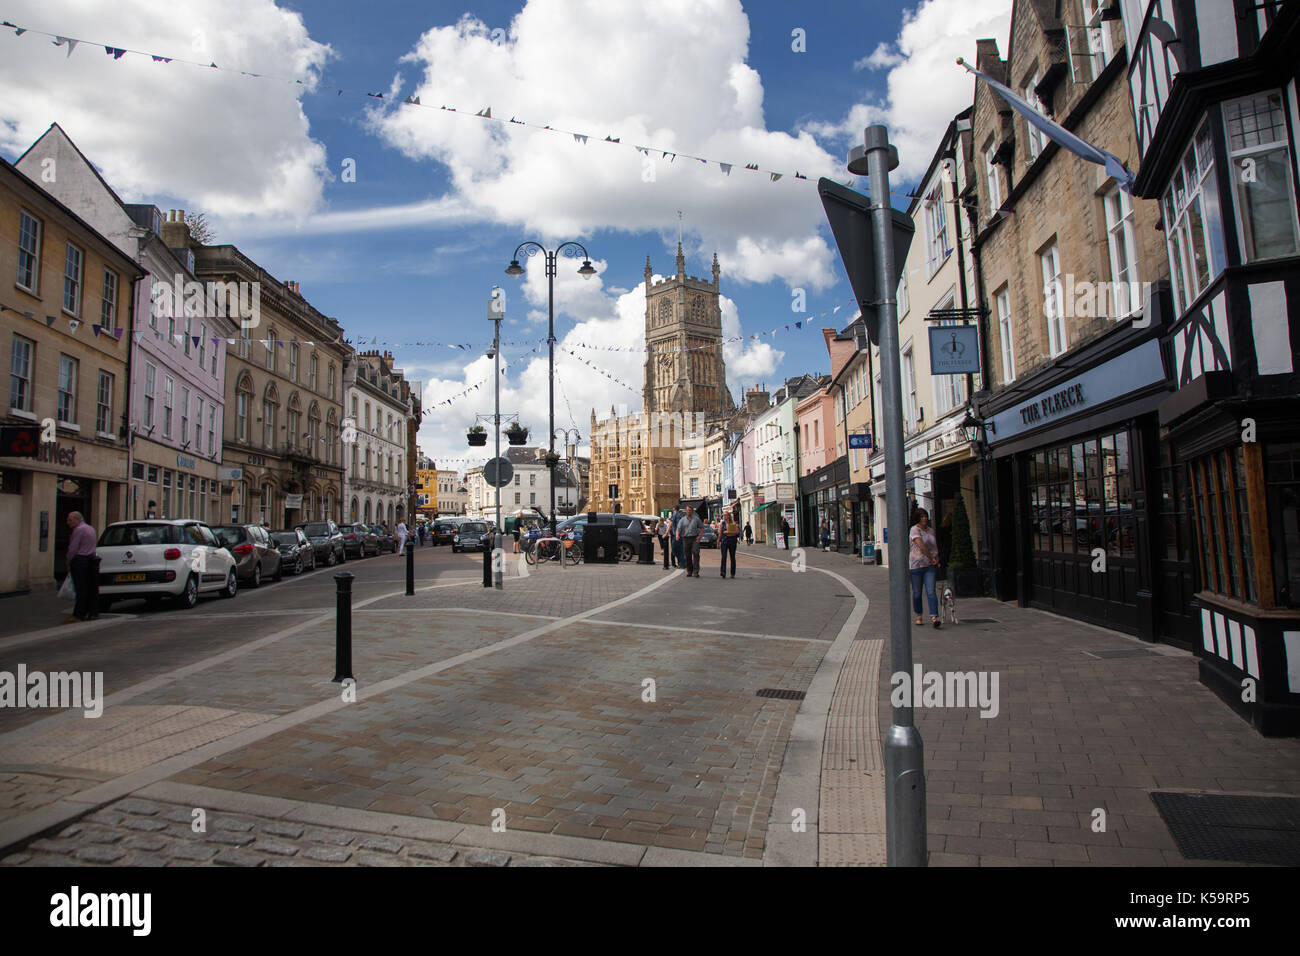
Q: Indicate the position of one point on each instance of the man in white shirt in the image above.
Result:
(401, 537)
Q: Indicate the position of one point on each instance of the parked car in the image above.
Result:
(359, 540)
(256, 557)
(387, 539)
(326, 541)
(708, 536)
(443, 532)
(471, 536)
(629, 531)
(156, 559)
(296, 551)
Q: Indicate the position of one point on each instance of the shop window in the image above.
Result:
(1282, 473)
(1081, 497)
(1222, 519)
(20, 373)
(29, 251)
(72, 281)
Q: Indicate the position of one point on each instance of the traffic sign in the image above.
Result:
(498, 472)
(849, 214)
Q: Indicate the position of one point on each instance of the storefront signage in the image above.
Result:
(860, 441)
(1052, 405)
(189, 464)
(292, 502)
(230, 474)
(257, 460)
(1137, 368)
(954, 350)
(25, 442)
(785, 492)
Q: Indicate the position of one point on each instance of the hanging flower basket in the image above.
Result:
(477, 435)
(517, 435)
(551, 459)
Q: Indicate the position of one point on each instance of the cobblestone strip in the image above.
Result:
(793, 827)
(138, 832)
(852, 821)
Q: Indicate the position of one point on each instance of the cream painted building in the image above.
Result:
(936, 289)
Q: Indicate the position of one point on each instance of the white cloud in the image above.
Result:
(220, 142)
(634, 72)
(926, 88)
(880, 58)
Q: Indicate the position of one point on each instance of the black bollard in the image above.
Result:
(343, 627)
(487, 567)
(410, 569)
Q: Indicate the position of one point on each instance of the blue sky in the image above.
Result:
(410, 250)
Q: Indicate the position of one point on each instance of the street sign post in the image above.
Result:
(498, 472)
(848, 213)
(873, 239)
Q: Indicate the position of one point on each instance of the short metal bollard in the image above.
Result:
(343, 627)
(410, 569)
(487, 567)
(498, 567)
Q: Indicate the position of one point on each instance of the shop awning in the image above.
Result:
(761, 507)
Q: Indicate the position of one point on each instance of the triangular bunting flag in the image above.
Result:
(579, 137)
(74, 324)
(197, 339)
(72, 44)
(114, 52)
(726, 168)
(161, 59)
(118, 334)
(413, 100)
(775, 176)
(95, 330)
(751, 165)
(611, 139)
(486, 113)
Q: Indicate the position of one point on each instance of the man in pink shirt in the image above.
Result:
(83, 566)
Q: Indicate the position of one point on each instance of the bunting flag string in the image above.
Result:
(485, 113)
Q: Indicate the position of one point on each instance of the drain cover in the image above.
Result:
(1132, 652)
(1232, 828)
(977, 620)
(781, 693)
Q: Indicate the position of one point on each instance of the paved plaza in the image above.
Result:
(605, 715)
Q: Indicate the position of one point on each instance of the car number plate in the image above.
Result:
(128, 578)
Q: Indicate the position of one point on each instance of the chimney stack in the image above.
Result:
(176, 232)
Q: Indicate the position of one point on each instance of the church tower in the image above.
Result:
(684, 368)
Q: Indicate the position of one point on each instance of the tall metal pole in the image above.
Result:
(497, 316)
(904, 756)
(550, 343)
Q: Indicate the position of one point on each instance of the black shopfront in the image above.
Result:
(826, 495)
(1091, 518)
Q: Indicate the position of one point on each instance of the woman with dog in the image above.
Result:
(923, 564)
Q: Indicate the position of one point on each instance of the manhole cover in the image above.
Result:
(1233, 829)
(781, 693)
(1132, 652)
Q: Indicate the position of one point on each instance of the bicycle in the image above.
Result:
(539, 551)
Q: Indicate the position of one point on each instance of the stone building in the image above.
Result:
(377, 406)
(1074, 274)
(636, 459)
(65, 318)
(283, 440)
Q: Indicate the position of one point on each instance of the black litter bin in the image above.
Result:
(600, 544)
(647, 549)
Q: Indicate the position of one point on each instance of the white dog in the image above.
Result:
(949, 604)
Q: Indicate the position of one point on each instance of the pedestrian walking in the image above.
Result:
(923, 563)
(401, 537)
(82, 563)
(663, 531)
(728, 540)
(679, 559)
(688, 533)
(749, 534)
(517, 523)
(785, 532)
(825, 531)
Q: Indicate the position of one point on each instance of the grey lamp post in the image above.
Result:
(515, 270)
(577, 437)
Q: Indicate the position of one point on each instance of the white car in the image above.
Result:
(154, 559)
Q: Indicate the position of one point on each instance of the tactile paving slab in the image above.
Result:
(1235, 829)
